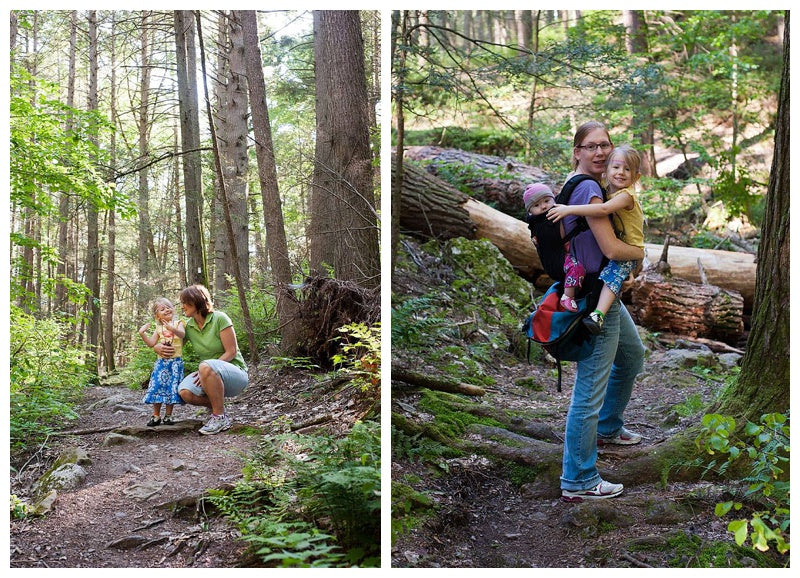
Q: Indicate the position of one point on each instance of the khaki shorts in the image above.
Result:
(234, 379)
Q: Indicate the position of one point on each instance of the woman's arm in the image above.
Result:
(610, 246)
(228, 338)
(618, 203)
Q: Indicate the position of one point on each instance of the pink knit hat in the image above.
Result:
(535, 192)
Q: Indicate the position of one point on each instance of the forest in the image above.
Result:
(485, 103)
(155, 150)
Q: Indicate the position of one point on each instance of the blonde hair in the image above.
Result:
(581, 133)
(161, 301)
(630, 156)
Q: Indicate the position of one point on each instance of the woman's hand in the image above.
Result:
(164, 350)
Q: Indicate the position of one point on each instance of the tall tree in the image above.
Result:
(767, 353)
(232, 126)
(286, 304)
(146, 250)
(226, 202)
(636, 44)
(109, 294)
(186, 61)
(92, 240)
(344, 232)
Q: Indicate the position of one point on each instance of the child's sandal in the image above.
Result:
(168, 420)
(154, 421)
(568, 303)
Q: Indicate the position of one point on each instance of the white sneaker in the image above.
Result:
(601, 491)
(216, 424)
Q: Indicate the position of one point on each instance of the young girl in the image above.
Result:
(622, 173)
(167, 373)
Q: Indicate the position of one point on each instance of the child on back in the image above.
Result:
(539, 199)
(167, 373)
(622, 173)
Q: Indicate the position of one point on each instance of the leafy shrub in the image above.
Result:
(263, 317)
(311, 501)
(47, 374)
(766, 446)
(361, 355)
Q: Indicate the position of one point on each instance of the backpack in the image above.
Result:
(549, 244)
(560, 332)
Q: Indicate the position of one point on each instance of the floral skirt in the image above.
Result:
(167, 374)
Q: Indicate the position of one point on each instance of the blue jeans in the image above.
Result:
(603, 386)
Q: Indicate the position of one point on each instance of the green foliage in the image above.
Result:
(416, 322)
(450, 418)
(311, 501)
(263, 317)
(690, 550)
(765, 447)
(418, 448)
(47, 159)
(690, 406)
(361, 355)
(46, 375)
(409, 508)
(278, 363)
(478, 139)
(19, 508)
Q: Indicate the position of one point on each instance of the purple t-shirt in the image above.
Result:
(584, 245)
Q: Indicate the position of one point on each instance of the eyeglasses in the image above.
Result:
(605, 146)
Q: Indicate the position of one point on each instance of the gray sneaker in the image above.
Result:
(601, 491)
(623, 438)
(216, 424)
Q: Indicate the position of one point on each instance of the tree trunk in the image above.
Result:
(233, 119)
(286, 302)
(109, 295)
(186, 61)
(434, 209)
(344, 228)
(399, 31)
(763, 385)
(636, 44)
(64, 203)
(92, 240)
(145, 233)
(254, 357)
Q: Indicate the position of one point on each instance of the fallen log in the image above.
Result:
(420, 215)
(431, 382)
(673, 304)
(493, 180)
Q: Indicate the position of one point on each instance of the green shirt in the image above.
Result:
(207, 343)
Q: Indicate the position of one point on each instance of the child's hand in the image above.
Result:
(144, 328)
(557, 212)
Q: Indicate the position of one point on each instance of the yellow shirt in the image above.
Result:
(165, 336)
(629, 223)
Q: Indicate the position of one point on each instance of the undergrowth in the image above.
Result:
(311, 501)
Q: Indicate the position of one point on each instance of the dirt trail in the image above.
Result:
(140, 504)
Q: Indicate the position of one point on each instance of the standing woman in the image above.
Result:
(222, 372)
(604, 381)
